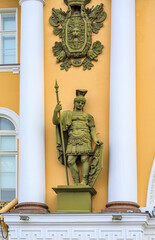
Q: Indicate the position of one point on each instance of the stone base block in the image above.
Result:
(74, 198)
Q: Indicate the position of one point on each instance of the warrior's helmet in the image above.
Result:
(80, 93)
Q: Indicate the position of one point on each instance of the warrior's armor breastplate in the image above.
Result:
(79, 138)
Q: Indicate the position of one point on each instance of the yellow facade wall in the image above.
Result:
(9, 91)
(97, 81)
(145, 54)
(9, 82)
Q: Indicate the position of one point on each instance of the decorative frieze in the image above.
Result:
(94, 226)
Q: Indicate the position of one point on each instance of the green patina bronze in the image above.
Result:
(75, 28)
(75, 131)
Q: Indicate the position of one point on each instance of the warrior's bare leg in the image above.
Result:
(73, 168)
(85, 169)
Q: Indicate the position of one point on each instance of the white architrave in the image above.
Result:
(122, 126)
(151, 188)
(80, 226)
(32, 140)
(12, 116)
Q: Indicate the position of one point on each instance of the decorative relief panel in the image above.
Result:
(122, 234)
(73, 234)
(75, 28)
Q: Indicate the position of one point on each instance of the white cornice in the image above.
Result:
(75, 219)
(42, 1)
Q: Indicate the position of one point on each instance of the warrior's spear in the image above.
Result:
(61, 132)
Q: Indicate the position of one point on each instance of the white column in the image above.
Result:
(122, 143)
(31, 147)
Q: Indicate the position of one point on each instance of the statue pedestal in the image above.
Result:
(74, 198)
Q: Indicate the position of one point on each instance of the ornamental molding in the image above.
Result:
(151, 188)
(22, 1)
(80, 234)
(12, 116)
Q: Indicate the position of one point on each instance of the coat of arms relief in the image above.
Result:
(75, 28)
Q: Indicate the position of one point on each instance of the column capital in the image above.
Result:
(21, 1)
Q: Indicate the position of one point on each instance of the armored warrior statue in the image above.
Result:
(78, 132)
